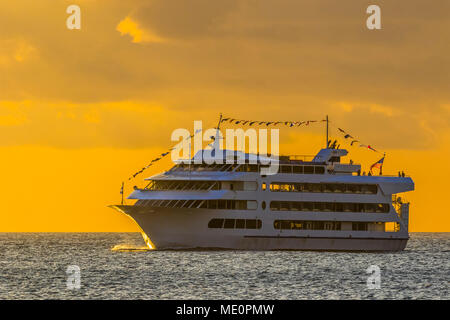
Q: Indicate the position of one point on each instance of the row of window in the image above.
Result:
(204, 167)
(205, 204)
(324, 187)
(235, 223)
(183, 185)
(170, 203)
(274, 205)
(316, 225)
(244, 167)
(274, 186)
(230, 204)
(288, 224)
(329, 206)
(299, 169)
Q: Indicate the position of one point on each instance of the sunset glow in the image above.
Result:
(82, 110)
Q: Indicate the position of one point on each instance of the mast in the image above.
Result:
(216, 143)
(327, 131)
(220, 120)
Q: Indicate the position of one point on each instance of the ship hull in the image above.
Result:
(184, 229)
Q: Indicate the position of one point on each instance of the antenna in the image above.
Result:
(121, 192)
(327, 131)
(190, 159)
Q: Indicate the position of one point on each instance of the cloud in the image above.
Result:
(128, 26)
(125, 124)
(13, 51)
(285, 59)
(185, 19)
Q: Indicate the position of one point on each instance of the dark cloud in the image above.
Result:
(184, 19)
(260, 58)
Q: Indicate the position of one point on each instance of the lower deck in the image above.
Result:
(184, 228)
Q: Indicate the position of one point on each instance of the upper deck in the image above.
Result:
(325, 167)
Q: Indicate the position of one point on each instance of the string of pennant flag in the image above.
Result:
(353, 141)
(161, 156)
(270, 123)
(232, 121)
(356, 142)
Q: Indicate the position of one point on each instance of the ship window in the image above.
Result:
(252, 205)
(296, 206)
(319, 170)
(309, 170)
(240, 224)
(353, 188)
(286, 169)
(258, 224)
(319, 225)
(165, 203)
(285, 224)
(359, 226)
(240, 205)
(196, 203)
(297, 169)
(263, 205)
(215, 223)
(365, 189)
(212, 204)
(284, 205)
(316, 187)
(229, 224)
(328, 206)
(308, 206)
(335, 159)
(297, 225)
(318, 206)
(305, 187)
(264, 186)
(306, 225)
(324, 187)
(348, 207)
(250, 185)
(189, 203)
(275, 205)
(373, 189)
(277, 224)
(252, 168)
(222, 204)
(250, 224)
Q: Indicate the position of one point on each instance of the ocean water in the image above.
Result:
(118, 266)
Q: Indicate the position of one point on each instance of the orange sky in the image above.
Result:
(81, 110)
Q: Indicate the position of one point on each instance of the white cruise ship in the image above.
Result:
(323, 204)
